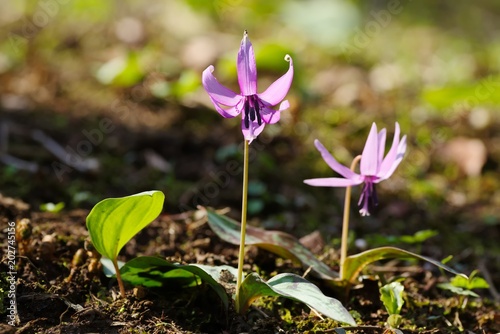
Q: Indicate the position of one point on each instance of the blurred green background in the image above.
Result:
(104, 98)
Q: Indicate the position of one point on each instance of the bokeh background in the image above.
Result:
(104, 98)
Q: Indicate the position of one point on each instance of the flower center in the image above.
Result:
(252, 110)
(368, 197)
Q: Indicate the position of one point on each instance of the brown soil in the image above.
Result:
(61, 288)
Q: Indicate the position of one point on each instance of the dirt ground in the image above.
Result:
(61, 288)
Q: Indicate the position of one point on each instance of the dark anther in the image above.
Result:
(247, 110)
(374, 196)
(257, 109)
(252, 114)
(252, 110)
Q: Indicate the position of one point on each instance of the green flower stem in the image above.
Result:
(244, 205)
(119, 278)
(345, 222)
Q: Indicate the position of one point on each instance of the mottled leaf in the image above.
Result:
(355, 263)
(279, 243)
(293, 287)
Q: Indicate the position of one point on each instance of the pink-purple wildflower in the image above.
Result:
(373, 166)
(255, 109)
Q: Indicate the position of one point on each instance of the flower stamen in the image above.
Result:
(368, 198)
(252, 110)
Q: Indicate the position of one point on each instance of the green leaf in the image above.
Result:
(473, 282)
(457, 290)
(355, 263)
(114, 221)
(152, 271)
(293, 287)
(279, 243)
(394, 320)
(51, 207)
(392, 296)
(418, 237)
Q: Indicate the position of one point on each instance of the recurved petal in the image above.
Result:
(277, 91)
(247, 69)
(270, 116)
(369, 158)
(334, 164)
(394, 156)
(332, 182)
(225, 112)
(218, 92)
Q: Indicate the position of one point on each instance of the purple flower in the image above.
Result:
(373, 167)
(255, 109)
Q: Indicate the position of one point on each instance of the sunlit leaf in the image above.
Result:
(152, 271)
(473, 282)
(114, 221)
(355, 263)
(296, 288)
(51, 207)
(392, 296)
(279, 243)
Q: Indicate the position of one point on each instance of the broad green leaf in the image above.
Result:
(279, 243)
(293, 287)
(355, 263)
(392, 296)
(152, 271)
(114, 221)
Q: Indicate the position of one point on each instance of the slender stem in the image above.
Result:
(119, 278)
(244, 202)
(345, 222)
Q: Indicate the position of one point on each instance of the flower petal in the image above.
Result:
(393, 157)
(332, 182)
(277, 91)
(254, 129)
(381, 145)
(369, 157)
(270, 116)
(334, 164)
(225, 112)
(218, 93)
(247, 69)
(399, 156)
